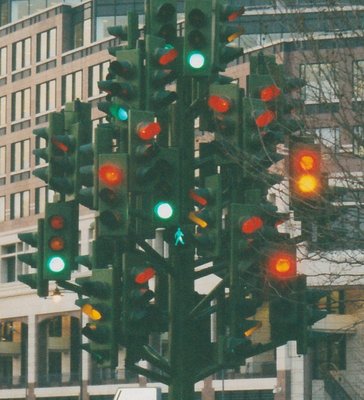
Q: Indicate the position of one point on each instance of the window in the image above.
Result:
(358, 80)
(72, 87)
(20, 155)
(97, 73)
(358, 140)
(2, 208)
(3, 111)
(19, 204)
(2, 160)
(329, 137)
(20, 105)
(328, 350)
(55, 327)
(46, 45)
(46, 96)
(40, 199)
(321, 82)
(3, 61)
(7, 263)
(21, 54)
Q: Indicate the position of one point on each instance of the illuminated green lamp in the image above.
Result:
(164, 210)
(196, 59)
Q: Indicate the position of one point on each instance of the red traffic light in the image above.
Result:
(265, 118)
(148, 130)
(219, 104)
(166, 55)
(251, 225)
(144, 276)
(270, 93)
(281, 264)
(111, 174)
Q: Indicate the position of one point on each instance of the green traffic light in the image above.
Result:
(56, 264)
(164, 210)
(196, 59)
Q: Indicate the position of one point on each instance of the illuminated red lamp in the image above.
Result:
(111, 174)
(265, 118)
(251, 225)
(60, 145)
(144, 276)
(219, 104)
(270, 93)
(198, 198)
(167, 55)
(282, 265)
(148, 130)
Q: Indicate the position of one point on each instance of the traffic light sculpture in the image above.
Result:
(161, 20)
(35, 260)
(60, 240)
(103, 309)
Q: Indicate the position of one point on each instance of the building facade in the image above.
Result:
(52, 53)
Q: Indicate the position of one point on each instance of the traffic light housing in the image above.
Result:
(88, 165)
(113, 195)
(103, 309)
(124, 86)
(140, 315)
(207, 216)
(161, 69)
(226, 30)
(305, 173)
(35, 260)
(161, 19)
(197, 57)
(66, 133)
(225, 103)
(60, 240)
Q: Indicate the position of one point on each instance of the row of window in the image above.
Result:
(323, 82)
(46, 93)
(20, 204)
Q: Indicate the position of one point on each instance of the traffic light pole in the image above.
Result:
(181, 340)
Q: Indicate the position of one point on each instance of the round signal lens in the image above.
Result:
(196, 60)
(122, 114)
(148, 130)
(219, 103)
(56, 264)
(307, 162)
(56, 243)
(144, 276)
(111, 174)
(251, 225)
(265, 118)
(282, 265)
(270, 93)
(163, 210)
(168, 55)
(56, 222)
(307, 183)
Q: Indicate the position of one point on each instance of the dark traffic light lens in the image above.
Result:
(56, 222)
(197, 18)
(166, 12)
(56, 243)
(197, 39)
